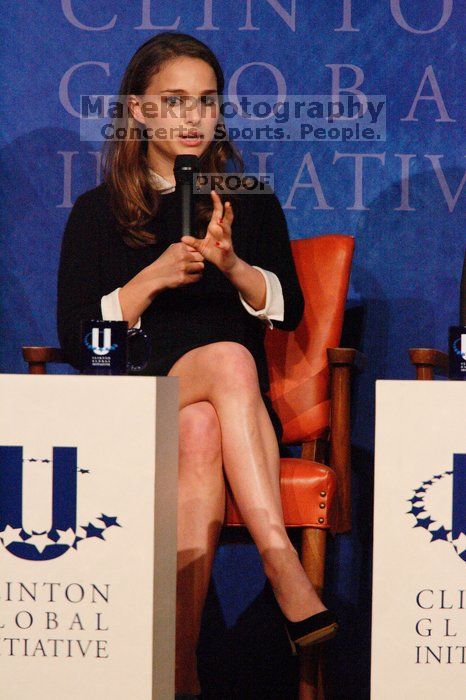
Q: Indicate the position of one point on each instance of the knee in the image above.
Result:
(233, 367)
(199, 435)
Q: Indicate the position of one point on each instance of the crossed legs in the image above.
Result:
(219, 386)
(201, 509)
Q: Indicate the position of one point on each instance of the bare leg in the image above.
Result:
(225, 374)
(201, 509)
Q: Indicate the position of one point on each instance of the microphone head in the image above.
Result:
(185, 167)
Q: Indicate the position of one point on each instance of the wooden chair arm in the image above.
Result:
(428, 362)
(346, 356)
(37, 358)
(341, 361)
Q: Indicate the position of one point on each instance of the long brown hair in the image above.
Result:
(134, 199)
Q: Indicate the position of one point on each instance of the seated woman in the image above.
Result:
(204, 301)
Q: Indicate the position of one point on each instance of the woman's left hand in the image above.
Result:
(217, 246)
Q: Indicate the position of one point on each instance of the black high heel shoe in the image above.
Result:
(312, 630)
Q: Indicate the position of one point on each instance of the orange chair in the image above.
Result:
(309, 388)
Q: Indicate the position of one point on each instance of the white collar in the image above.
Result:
(160, 183)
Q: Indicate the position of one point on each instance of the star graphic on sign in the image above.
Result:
(66, 537)
(416, 510)
(414, 499)
(76, 540)
(109, 520)
(440, 534)
(84, 471)
(46, 460)
(92, 531)
(10, 534)
(460, 543)
(437, 530)
(40, 542)
(424, 522)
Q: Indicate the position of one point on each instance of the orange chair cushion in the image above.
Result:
(308, 491)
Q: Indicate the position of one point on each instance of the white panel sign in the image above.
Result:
(88, 492)
(419, 585)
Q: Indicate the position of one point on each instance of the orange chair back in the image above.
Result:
(297, 360)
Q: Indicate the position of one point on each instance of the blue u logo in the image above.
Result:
(92, 341)
(64, 493)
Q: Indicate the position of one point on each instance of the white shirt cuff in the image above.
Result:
(111, 308)
(274, 309)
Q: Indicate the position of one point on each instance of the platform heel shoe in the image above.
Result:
(313, 630)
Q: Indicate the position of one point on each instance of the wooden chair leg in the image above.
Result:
(313, 561)
(313, 544)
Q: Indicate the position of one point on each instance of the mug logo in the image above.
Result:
(17, 532)
(439, 506)
(459, 346)
(92, 341)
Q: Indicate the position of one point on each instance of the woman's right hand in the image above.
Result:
(178, 265)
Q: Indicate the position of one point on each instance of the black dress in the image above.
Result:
(95, 260)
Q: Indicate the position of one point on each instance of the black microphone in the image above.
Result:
(186, 166)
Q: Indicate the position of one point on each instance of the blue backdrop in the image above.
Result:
(404, 209)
